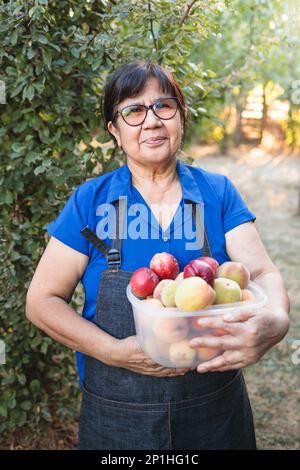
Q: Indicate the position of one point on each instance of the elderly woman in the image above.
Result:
(129, 401)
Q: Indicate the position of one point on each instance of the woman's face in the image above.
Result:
(133, 139)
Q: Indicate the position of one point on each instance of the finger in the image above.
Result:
(238, 365)
(223, 343)
(179, 371)
(228, 359)
(182, 371)
(236, 317)
(217, 323)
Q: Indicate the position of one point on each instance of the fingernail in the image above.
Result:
(228, 317)
(201, 369)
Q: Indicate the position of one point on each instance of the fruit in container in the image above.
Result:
(213, 263)
(165, 336)
(199, 268)
(206, 354)
(194, 323)
(155, 303)
(180, 277)
(156, 348)
(165, 265)
(143, 282)
(170, 329)
(247, 295)
(193, 294)
(159, 288)
(145, 318)
(227, 291)
(237, 272)
(168, 294)
(181, 354)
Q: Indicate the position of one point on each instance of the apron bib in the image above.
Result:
(124, 410)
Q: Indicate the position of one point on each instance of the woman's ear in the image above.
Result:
(113, 130)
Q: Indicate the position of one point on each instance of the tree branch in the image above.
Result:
(151, 26)
(186, 12)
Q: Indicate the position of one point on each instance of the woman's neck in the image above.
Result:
(154, 180)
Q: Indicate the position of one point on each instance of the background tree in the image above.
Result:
(54, 59)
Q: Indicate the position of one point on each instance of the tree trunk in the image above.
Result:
(238, 123)
(263, 121)
(292, 127)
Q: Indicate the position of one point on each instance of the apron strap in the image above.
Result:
(119, 227)
(101, 245)
(205, 250)
(113, 253)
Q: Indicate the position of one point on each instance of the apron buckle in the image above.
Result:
(113, 257)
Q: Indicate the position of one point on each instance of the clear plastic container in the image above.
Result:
(164, 333)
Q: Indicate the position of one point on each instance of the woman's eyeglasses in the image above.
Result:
(135, 114)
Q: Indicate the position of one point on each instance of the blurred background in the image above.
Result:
(238, 63)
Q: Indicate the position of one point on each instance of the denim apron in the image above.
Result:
(124, 410)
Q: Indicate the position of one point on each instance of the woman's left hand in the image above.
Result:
(247, 337)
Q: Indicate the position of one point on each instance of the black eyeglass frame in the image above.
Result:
(147, 109)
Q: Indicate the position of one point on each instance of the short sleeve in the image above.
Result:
(234, 210)
(66, 227)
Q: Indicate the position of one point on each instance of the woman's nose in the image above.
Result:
(151, 120)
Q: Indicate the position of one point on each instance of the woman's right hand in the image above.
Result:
(130, 355)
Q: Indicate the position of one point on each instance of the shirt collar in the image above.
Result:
(120, 185)
(189, 186)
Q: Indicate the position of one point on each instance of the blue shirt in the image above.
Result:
(223, 209)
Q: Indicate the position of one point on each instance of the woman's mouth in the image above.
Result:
(154, 142)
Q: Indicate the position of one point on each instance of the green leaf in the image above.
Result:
(3, 411)
(7, 197)
(32, 11)
(75, 52)
(22, 379)
(96, 64)
(85, 28)
(30, 53)
(26, 405)
(28, 92)
(43, 39)
(18, 148)
(47, 56)
(11, 404)
(44, 348)
(36, 341)
(14, 37)
(35, 385)
(10, 71)
(4, 27)
(193, 111)
(17, 90)
(39, 169)
(55, 46)
(199, 85)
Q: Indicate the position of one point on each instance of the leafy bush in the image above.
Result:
(54, 59)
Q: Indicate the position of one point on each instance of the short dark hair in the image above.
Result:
(130, 79)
